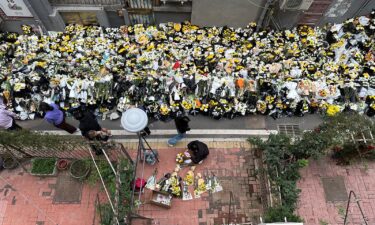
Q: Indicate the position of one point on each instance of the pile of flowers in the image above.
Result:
(215, 71)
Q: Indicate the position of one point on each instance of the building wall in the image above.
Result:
(45, 12)
(15, 25)
(233, 13)
(114, 19)
(336, 12)
(48, 16)
(287, 19)
(341, 10)
(164, 17)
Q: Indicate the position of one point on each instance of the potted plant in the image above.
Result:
(80, 169)
(9, 162)
(43, 166)
(62, 164)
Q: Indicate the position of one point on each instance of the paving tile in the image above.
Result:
(225, 162)
(32, 197)
(312, 203)
(222, 161)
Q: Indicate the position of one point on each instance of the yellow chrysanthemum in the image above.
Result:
(332, 110)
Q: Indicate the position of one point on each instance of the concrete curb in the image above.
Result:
(193, 132)
(229, 138)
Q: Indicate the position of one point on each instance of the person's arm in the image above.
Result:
(195, 159)
(53, 105)
(10, 113)
(106, 131)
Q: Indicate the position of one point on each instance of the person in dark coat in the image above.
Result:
(91, 130)
(90, 127)
(182, 126)
(199, 151)
(87, 122)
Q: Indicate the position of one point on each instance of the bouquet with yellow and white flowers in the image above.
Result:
(164, 109)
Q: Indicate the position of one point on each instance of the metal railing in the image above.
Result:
(114, 151)
(87, 2)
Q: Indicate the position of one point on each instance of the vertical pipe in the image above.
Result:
(35, 15)
(117, 193)
(135, 172)
(263, 14)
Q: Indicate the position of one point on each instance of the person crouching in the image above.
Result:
(53, 115)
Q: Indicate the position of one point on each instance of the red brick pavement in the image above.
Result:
(314, 208)
(27, 200)
(234, 168)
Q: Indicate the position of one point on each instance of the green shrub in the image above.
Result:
(278, 214)
(110, 182)
(43, 166)
(284, 157)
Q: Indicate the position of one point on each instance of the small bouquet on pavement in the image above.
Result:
(186, 195)
(200, 186)
(215, 184)
(175, 187)
(183, 158)
(151, 181)
(189, 178)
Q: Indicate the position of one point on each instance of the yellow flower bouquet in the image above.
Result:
(332, 110)
(204, 107)
(189, 178)
(186, 105)
(180, 158)
(164, 110)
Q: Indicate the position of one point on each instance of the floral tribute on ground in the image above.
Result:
(215, 71)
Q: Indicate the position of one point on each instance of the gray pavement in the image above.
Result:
(307, 122)
(252, 122)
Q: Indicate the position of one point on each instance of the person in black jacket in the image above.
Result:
(89, 125)
(91, 130)
(199, 151)
(182, 125)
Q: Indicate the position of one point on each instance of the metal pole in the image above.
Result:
(359, 206)
(135, 172)
(230, 206)
(125, 152)
(117, 193)
(264, 12)
(110, 163)
(105, 188)
(149, 148)
(143, 164)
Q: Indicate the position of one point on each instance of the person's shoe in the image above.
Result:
(170, 145)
